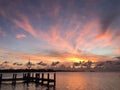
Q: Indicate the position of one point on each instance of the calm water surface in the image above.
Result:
(74, 81)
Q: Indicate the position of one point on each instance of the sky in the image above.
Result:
(59, 30)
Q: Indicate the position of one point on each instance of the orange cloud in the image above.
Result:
(64, 58)
(68, 57)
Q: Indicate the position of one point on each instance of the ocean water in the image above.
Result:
(73, 81)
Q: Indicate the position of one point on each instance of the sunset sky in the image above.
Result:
(59, 30)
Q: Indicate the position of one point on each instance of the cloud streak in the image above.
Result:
(25, 25)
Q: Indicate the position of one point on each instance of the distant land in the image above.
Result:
(51, 70)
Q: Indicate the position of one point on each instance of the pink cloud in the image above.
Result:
(20, 36)
(25, 25)
(53, 36)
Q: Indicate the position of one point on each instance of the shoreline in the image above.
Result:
(45, 70)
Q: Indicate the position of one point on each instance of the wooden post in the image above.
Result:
(25, 77)
(42, 82)
(38, 77)
(48, 76)
(32, 77)
(0, 78)
(28, 77)
(54, 79)
(14, 79)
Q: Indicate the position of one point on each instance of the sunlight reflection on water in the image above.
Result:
(74, 81)
(88, 81)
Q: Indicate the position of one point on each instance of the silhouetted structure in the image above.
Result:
(37, 78)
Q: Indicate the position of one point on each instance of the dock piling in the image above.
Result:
(54, 79)
(48, 77)
(0, 78)
(42, 80)
(14, 79)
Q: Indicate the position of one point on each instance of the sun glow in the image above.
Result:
(75, 59)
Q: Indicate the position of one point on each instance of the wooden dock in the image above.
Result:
(37, 78)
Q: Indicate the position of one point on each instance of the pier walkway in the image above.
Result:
(46, 79)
